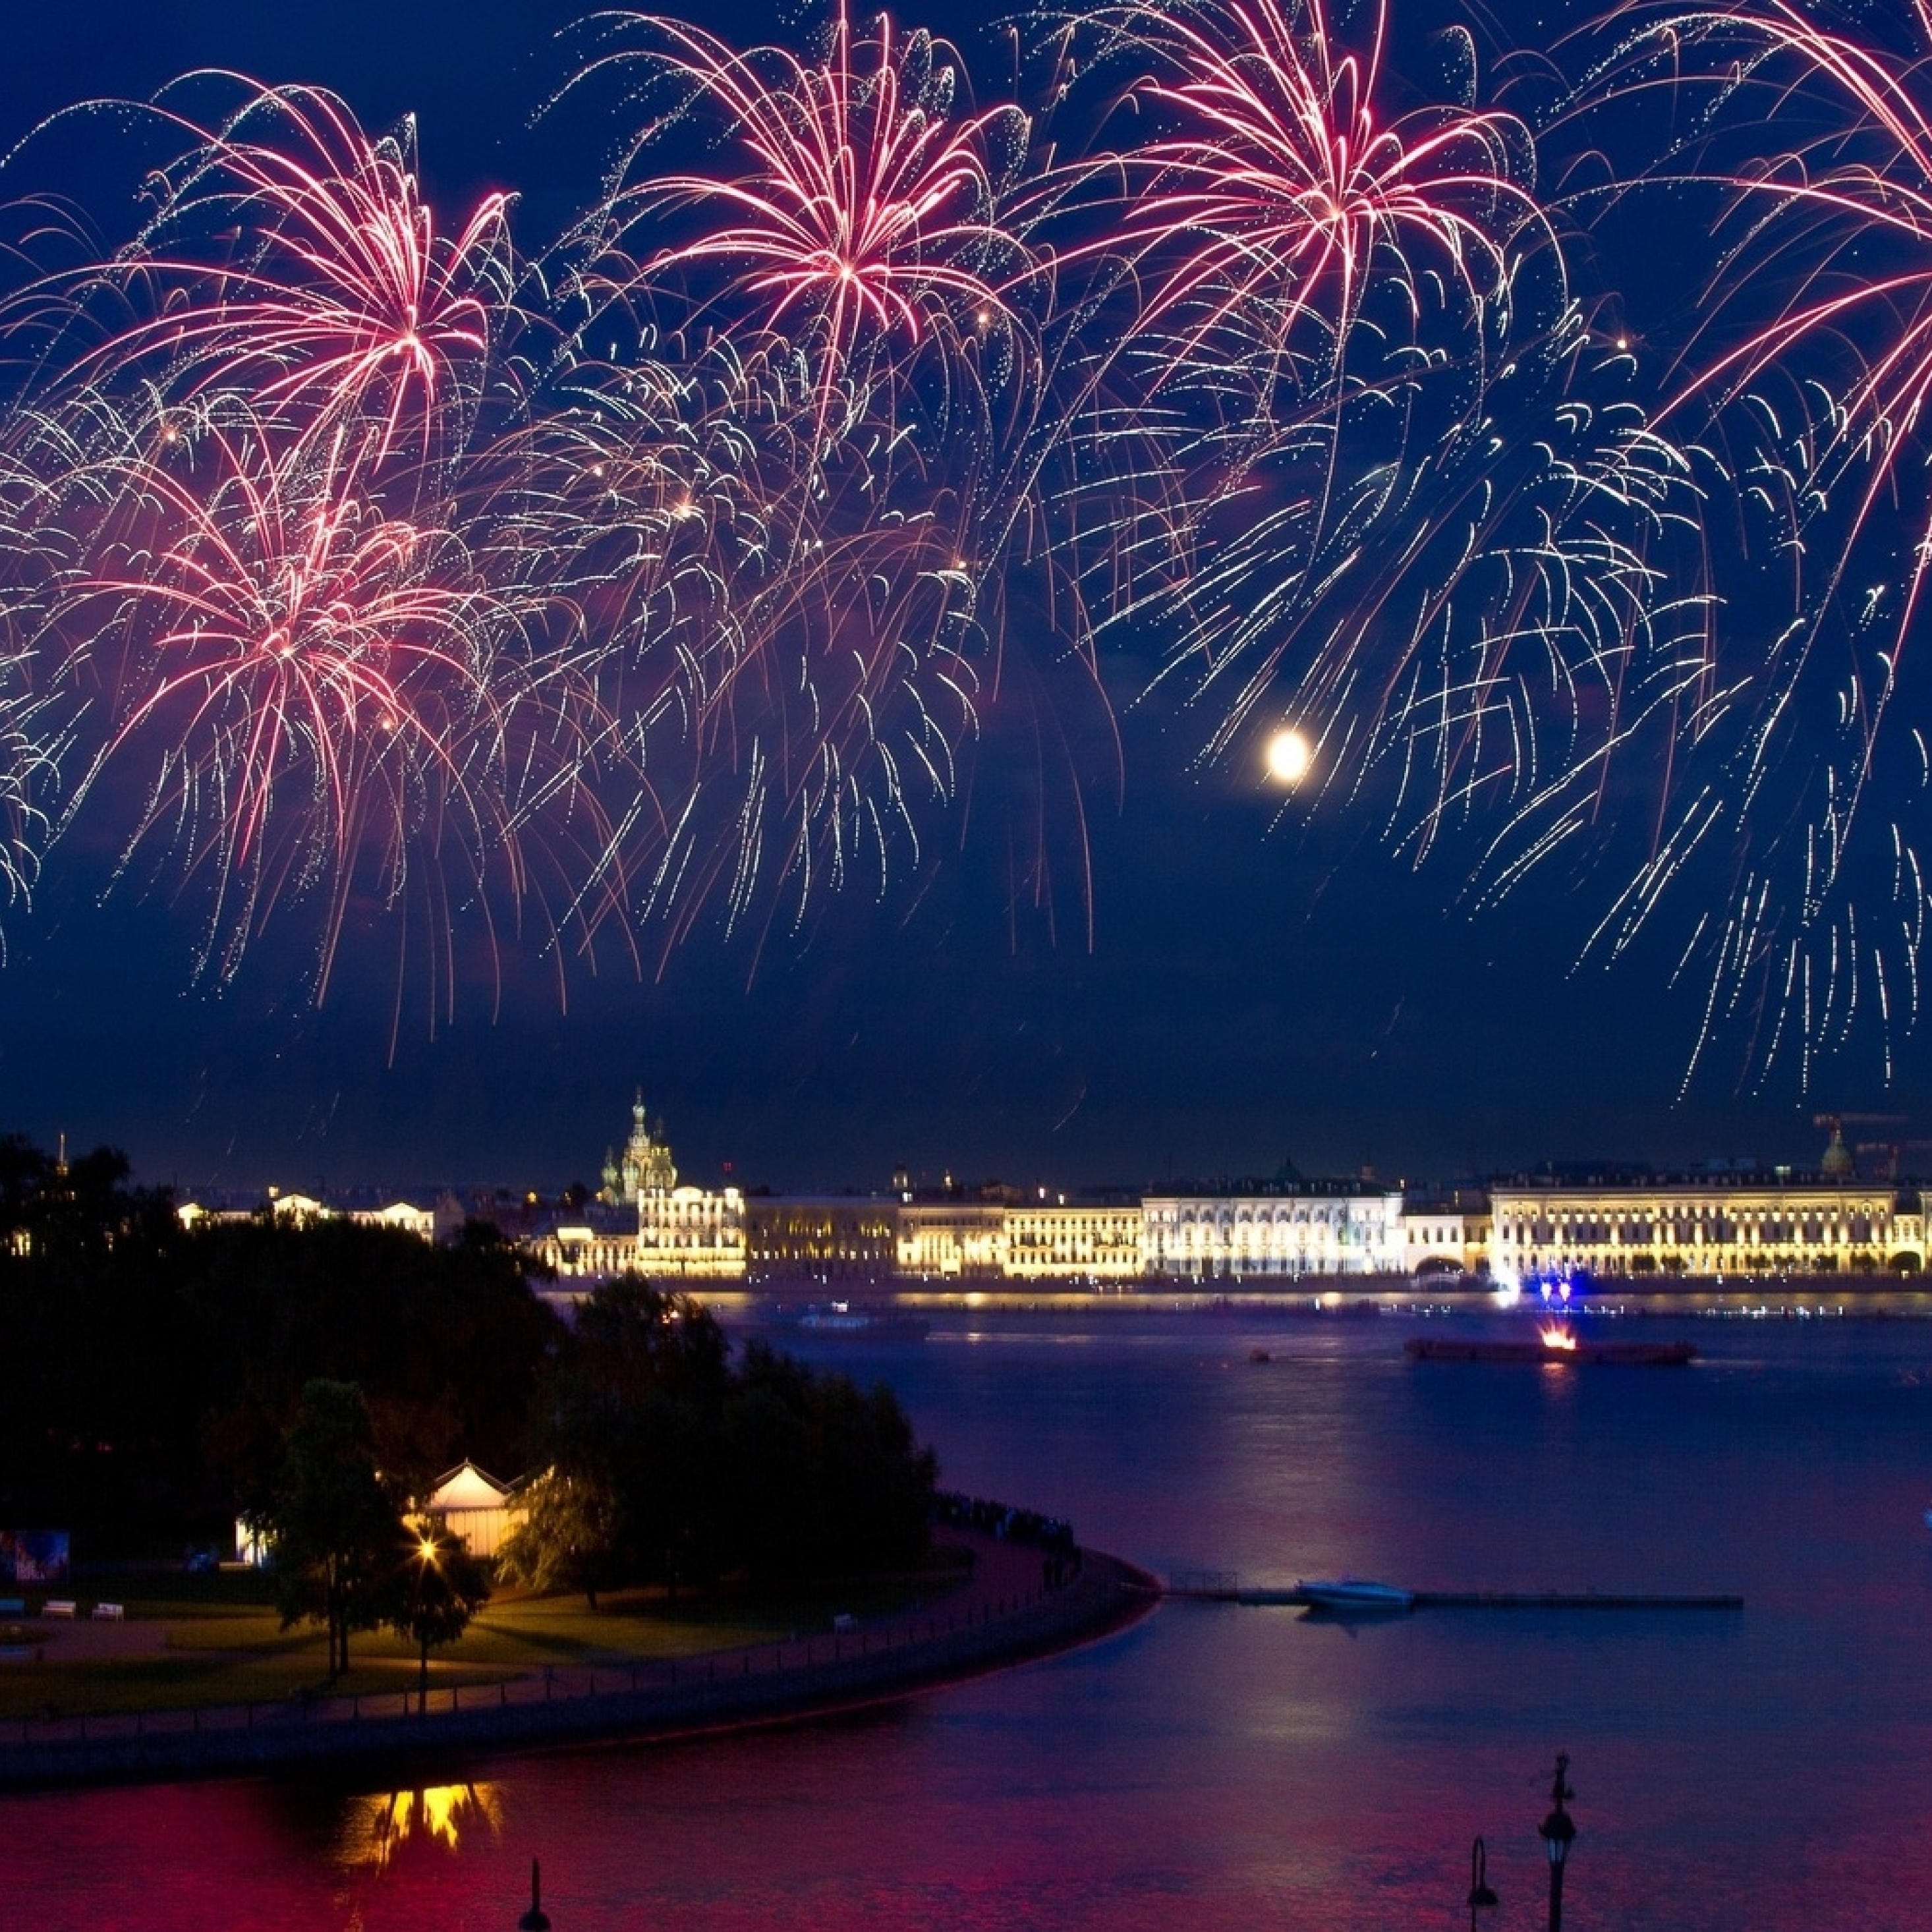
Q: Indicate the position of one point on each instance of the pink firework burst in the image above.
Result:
(865, 207)
(292, 258)
(302, 687)
(1279, 193)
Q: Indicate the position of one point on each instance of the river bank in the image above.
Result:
(1013, 1608)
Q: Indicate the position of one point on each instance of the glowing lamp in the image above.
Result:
(1558, 1832)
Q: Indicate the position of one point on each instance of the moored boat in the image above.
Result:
(855, 1319)
(1356, 1595)
(1628, 1354)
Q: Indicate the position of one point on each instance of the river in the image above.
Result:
(1221, 1766)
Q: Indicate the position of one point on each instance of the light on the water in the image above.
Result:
(1288, 756)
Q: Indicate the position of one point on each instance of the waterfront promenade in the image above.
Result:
(1005, 1613)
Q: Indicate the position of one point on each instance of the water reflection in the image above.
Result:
(375, 1826)
(1225, 1767)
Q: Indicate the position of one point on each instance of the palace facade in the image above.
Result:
(1303, 1227)
(1729, 1225)
(1709, 1228)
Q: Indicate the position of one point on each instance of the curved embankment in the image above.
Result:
(1005, 1616)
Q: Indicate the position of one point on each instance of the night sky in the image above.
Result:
(1260, 985)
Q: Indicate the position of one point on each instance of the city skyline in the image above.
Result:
(1267, 978)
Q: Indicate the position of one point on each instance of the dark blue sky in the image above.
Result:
(1250, 994)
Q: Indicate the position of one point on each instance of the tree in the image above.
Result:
(630, 1434)
(827, 1477)
(442, 1587)
(333, 1524)
(99, 1427)
(566, 1538)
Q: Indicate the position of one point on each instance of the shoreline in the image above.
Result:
(1325, 1297)
(1005, 1616)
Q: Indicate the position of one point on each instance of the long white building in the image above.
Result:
(1706, 1228)
(1306, 1227)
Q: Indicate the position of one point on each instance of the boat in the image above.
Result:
(1627, 1354)
(1354, 1596)
(855, 1319)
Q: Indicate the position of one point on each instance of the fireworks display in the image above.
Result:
(405, 580)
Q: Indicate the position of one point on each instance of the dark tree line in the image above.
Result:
(155, 1369)
(665, 1463)
(158, 1376)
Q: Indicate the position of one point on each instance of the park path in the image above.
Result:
(1016, 1603)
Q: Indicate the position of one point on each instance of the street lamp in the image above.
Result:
(1559, 1831)
(1481, 1898)
(427, 1555)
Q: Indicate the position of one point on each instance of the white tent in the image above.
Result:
(475, 1506)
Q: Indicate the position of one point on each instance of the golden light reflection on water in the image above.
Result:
(376, 1826)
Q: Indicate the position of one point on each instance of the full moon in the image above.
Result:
(1288, 757)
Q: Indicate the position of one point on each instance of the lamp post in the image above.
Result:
(1481, 1898)
(426, 1561)
(1559, 1832)
(536, 1919)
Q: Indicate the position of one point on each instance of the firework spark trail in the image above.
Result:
(1275, 208)
(318, 687)
(1812, 366)
(290, 255)
(1477, 631)
(866, 214)
(887, 319)
(1431, 533)
(669, 577)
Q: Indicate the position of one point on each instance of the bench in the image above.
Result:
(110, 1613)
(58, 1606)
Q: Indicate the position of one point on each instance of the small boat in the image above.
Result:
(856, 1319)
(1353, 1596)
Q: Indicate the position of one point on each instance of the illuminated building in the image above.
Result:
(579, 1251)
(1444, 1236)
(691, 1233)
(1711, 1227)
(1287, 1227)
(646, 1165)
(953, 1240)
(1073, 1240)
(1740, 1224)
(428, 1224)
(472, 1506)
(827, 1237)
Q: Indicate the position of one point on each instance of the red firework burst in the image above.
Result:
(1279, 191)
(292, 258)
(865, 206)
(308, 683)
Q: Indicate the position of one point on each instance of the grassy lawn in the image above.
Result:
(221, 1642)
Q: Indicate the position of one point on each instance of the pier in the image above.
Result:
(1221, 1588)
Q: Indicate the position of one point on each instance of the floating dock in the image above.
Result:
(1220, 1590)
